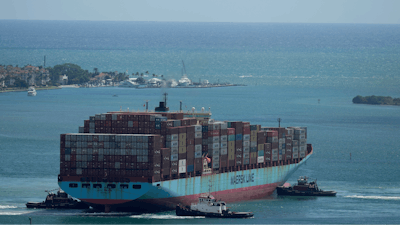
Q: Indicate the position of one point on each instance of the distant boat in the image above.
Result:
(31, 91)
(115, 95)
(130, 83)
(243, 76)
(184, 81)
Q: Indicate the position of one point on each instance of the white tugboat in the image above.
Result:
(31, 91)
(208, 206)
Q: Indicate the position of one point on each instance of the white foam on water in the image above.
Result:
(8, 213)
(163, 217)
(374, 197)
(8, 207)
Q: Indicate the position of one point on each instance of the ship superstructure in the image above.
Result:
(155, 160)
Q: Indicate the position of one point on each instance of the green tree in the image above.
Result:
(76, 75)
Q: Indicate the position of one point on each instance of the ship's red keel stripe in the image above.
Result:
(233, 195)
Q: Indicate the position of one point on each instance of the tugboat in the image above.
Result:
(208, 206)
(303, 188)
(61, 200)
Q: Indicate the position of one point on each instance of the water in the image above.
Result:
(292, 66)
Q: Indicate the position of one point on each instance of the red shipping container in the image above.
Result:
(231, 131)
(214, 133)
(246, 130)
(272, 133)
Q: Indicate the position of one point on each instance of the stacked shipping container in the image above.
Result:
(167, 146)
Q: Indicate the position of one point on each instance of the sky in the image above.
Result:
(266, 11)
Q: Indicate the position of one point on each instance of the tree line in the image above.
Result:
(376, 100)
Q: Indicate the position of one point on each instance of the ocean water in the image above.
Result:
(292, 66)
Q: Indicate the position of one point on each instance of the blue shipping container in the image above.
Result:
(190, 168)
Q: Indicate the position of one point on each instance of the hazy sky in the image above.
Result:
(281, 11)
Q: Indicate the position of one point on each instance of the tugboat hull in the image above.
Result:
(186, 211)
(290, 192)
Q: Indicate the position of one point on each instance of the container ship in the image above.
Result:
(134, 161)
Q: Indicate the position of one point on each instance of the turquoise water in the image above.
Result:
(292, 66)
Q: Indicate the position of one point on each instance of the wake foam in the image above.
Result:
(163, 217)
(8, 207)
(374, 197)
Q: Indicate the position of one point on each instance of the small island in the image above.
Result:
(376, 100)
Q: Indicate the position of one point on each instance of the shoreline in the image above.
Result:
(24, 90)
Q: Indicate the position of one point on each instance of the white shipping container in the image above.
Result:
(224, 138)
(117, 165)
(198, 135)
(174, 137)
(197, 128)
(215, 164)
(197, 147)
(182, 169)
(246, 155)
(260, 159)
(246, 143)
(275, 151)
(224, 144)
(302, 154)
(174, 157)
(215, 146)
(197, 154)
(224, 125)
(246, 149)
(253, 144)
(302, 148)
(246, 137)
(174, 150)
(274, 158)
(174, 144)
(215, 152)
(215, 158)
(78, 171)
(216, 139)
(182, 162)
(224, 151)
(299, 137)
(282, 140)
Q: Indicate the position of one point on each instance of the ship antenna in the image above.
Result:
(165, 98)
(279, 121)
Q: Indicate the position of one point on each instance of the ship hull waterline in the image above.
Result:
(234, 186)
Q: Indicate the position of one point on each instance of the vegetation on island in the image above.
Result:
(376, 100)
(76, 75)
(16, 78)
